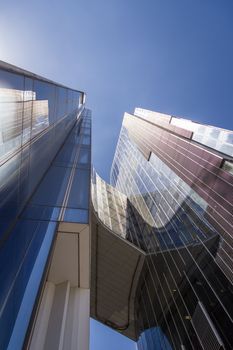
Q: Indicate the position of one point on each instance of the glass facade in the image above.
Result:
(213, 137)
(45, 157)
(210, 136)
(177, 208)
(110, 205)
(161, 233)
(172, 213)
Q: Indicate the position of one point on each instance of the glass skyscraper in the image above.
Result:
(45, 155)
(167, 281)
(149, 255)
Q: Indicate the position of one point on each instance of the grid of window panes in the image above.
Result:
(172, 213)
(202, 169)
(28, 106)
(65, 189)
(213, 137)
(36, 117)
(182, 267)
(110, 205)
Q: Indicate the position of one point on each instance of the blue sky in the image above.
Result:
(104, 338)
(172, 56)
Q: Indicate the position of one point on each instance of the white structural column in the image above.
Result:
(77, 323)
(57, 320)
(62, 322)
(39, 335)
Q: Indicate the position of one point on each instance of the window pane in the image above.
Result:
(79, 194)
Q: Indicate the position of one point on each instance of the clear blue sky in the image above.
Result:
(173, 56)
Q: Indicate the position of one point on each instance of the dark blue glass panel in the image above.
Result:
(45, 101)
(23, 275)
(52, 188)
(153, 338)
(66, 156)
(86, 140)
(40, 158)
(40, 212)
(84, 156)
(9, 175)
(11, 80)
(62, 102)
(24, 176)
(79, 194)
(62, 129)
(76, 215)
(85, 131)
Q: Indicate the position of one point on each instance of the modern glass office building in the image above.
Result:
(162, 235)
(45, 158)
(150, 255)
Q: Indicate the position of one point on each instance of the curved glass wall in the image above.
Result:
(186, 283)
(110, 205)
(171, 213)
